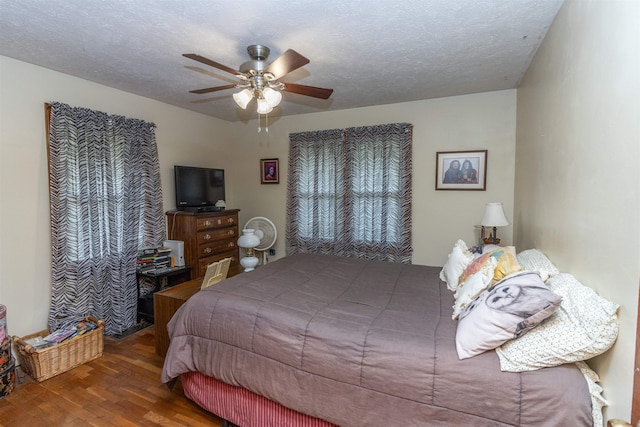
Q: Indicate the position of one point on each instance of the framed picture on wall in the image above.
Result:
(461, 170)
(269, 171)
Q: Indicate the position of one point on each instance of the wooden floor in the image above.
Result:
(122, 388)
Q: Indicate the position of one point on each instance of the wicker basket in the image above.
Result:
(50, 361)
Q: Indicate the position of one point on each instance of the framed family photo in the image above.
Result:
(269, 171)
(461, 170)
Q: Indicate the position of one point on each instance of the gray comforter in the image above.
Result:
(360, 343)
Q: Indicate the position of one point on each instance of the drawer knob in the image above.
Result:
(231, 232)
(207, 237)
(232, 244)
(219, 221)
(207, 222)
(207, 250)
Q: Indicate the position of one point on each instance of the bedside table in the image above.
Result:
(165, 305)
(158, 280)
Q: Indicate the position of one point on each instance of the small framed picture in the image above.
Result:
(461, 170)
(269, 171)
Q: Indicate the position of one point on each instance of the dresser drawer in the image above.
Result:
(217, 246)
(216, 221)
(209, 236)
(204, 262)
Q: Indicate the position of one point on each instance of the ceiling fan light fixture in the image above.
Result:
(242, 98)
(261, 80)
(273, 97)
(263, 106)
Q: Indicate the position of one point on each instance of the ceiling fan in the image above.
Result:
(261, 80)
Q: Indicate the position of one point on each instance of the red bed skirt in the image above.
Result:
(241, 406)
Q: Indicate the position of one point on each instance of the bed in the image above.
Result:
(319, 340)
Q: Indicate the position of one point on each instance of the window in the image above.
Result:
(105, 196)
(349, 192)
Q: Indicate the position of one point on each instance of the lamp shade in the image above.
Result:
(273, 97)
(248, 240)
(494, 216)
(263, 106)
(242, 98)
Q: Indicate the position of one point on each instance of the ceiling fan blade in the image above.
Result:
(286, 63)
(212, 89)
(316, 92)
(210, 62)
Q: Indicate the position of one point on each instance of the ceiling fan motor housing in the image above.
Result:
(258, 62)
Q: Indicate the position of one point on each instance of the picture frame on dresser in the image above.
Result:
(461, 170)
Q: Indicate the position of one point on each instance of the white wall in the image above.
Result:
(25, 257)
(482, 121)
(578, 144)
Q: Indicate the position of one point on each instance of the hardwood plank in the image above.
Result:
(122, 388)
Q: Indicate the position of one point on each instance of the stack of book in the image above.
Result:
(61, 335)
(154, 259)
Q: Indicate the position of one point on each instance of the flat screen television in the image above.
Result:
(198, 189)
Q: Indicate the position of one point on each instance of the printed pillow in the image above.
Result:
(584, 326)
(473, 286)
(534, 260)
(507, 263)
(459, 259)
(489, 248)
(505, 311)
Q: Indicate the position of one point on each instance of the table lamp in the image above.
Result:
(493, 217)
(248, 241)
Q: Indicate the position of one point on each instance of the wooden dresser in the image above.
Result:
(207, 237)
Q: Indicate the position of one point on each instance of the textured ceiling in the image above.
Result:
(370, 52)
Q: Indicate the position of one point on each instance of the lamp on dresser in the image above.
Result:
(493, 217)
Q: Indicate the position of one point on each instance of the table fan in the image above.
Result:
(266, 232)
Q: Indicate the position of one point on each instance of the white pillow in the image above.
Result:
(534, 260)
(597, 401)
(473, 286)
(505, 311)
(459, 259)
(584, 326)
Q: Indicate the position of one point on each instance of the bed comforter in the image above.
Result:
(360, 343)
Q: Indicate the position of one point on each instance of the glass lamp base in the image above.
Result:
(249, 263)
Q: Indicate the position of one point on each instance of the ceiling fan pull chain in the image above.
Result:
(266, 122)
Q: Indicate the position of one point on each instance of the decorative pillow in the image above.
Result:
(534, 260)
(459, 259)
(507, 263)
(584, 326)
(503, 312)
(473, 286)
(489, 248)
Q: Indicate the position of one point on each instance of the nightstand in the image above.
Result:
(165, 305)
(154, 281)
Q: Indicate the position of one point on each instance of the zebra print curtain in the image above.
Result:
(349, 192)
(106, 203)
